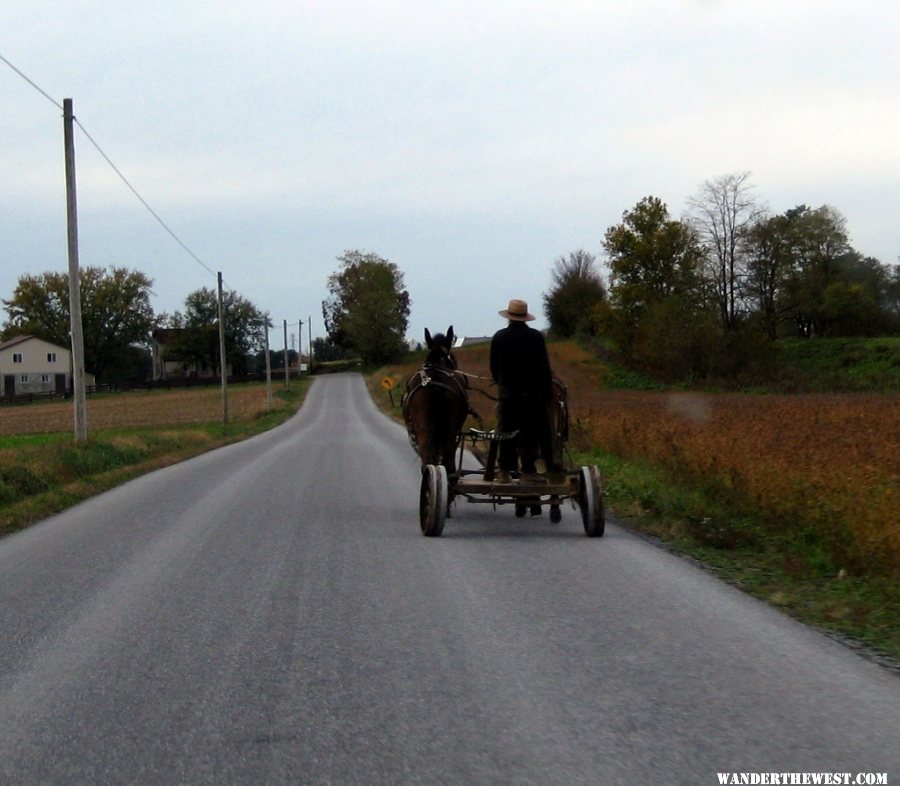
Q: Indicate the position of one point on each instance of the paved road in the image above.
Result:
(269, 613)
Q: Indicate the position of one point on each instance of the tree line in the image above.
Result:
(366, 316)
(706, 295)
(118, 321)
(701, 296)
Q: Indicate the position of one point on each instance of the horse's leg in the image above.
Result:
(449, 453)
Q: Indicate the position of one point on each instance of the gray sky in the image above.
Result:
(470, 143)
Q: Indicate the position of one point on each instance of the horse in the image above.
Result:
(436, 403)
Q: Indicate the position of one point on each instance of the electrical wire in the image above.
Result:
(115, 169)
(122, 177)
(142, 200)
(42, 92)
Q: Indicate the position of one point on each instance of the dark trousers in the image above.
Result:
(528, 416)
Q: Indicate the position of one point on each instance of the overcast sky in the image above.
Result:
(470, 143)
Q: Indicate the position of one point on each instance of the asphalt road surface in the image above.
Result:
(270, 613)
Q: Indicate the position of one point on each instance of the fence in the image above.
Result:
(173, 383)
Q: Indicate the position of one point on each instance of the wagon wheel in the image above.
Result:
(590, 500)
(433, 498)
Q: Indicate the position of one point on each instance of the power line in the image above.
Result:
(115, 169)
(118, 172)
(142, 200)
(42, 92)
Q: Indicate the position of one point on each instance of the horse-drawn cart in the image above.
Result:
(435, 407)
(530, 492)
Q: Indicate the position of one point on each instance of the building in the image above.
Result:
(470, 341)
(31, 365)
(168, 363)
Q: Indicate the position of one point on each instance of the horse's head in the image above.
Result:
(440, 349)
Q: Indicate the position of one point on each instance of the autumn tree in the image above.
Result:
(115, 307)
(367, 310)
(651, 257)
(657, 307)
(576, 291)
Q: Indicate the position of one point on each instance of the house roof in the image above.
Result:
(163, 335)
(14, 341)
(22, 339)
(468, 341)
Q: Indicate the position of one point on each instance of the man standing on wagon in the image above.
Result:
(521, 369)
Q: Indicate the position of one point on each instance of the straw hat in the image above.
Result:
(517, 311)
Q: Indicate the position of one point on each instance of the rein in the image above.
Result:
(480, 390)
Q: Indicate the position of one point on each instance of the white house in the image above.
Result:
(32, 365)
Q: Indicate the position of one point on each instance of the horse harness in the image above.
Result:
(435, 376)
(431, 376)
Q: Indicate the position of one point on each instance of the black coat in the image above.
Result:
(519, 363)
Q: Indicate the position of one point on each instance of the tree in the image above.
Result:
(651, 257)
(654, 264)
(367, 310)
(858, 300)
(115, 306)
(722, 212)
(801, 268)
(197, 340)
(818, 240)
(769, 248)
(577, 290)
(325, 350)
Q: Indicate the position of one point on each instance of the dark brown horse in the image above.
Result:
(436, 404)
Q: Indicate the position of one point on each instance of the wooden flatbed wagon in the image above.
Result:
(527, 492)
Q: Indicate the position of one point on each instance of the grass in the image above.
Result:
(42, 473)
(776, 564)
(792, 498)
(841, 364)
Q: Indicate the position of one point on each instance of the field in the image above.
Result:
(43, 470)
(823, 467)
(137, 408)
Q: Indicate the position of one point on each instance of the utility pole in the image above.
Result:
(268, 368)
(222, 373)
(299, 347)
(75, 326)
(287, 382)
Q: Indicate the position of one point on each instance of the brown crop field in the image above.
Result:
(825, 466)
(137, 408)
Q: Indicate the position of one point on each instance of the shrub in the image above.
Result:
(17, 482)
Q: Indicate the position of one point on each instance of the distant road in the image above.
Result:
(269, 613)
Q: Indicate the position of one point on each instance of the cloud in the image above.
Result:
(464, 136)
